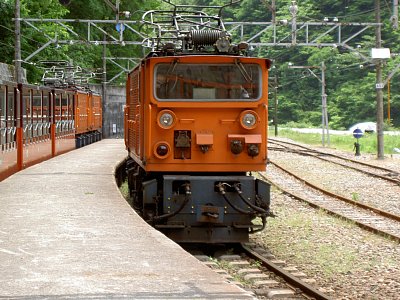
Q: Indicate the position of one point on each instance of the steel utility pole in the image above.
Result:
(17, 61)
(379, 91)
(293, 9)
(324, 112)
(18, 123)
(325, 123)
(272, 8)
(395, 16)
(276, 105)
(104, 81)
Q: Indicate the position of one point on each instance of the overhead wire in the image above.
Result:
(384, 7)
(22, 36)
(283, 51)
(28, 39)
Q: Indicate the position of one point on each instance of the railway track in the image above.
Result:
(373, 219)
(371, 170)
(255, 269)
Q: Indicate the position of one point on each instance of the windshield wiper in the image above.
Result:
(243, 71)
(171, 69)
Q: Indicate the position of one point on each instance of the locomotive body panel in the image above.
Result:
(206, 124)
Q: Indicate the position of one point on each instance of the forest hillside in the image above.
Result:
(349, 72)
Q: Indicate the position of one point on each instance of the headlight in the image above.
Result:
(248, 119)
(161, 150)
(166, 119)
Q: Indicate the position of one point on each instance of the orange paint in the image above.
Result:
(205, 120)
(20, 148)
(41, 118)
(53, 139)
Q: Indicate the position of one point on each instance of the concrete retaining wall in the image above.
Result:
(7, 73)
(113, 110)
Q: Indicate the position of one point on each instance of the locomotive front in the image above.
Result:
(196, 128)
(195, 125)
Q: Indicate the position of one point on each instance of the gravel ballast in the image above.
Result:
(346, 261)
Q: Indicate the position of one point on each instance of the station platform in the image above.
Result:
(67, 233)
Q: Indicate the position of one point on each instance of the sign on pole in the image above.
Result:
(358, 133)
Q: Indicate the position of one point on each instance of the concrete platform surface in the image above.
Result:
(67, 233)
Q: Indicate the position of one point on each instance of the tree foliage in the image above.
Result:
(350, 89)
(7, 31)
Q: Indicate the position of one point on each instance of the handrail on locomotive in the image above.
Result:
(184, 29)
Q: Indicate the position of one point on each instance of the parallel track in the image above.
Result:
(367, 217)
(371, 170)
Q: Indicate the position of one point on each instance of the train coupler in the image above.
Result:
(210, 214)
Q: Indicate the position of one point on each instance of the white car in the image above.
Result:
(368, 127)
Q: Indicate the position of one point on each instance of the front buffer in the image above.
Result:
(207, 209)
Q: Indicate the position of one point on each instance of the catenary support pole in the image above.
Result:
(293, 11)
(395, 17)
(379, 91)
(276, 105)
(104, 86)
(18, 123)
(388, 103)
(325, 121)
(17, 61)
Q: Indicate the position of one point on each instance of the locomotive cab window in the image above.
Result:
(207, 82)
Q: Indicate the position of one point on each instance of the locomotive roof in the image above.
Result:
(189, 30)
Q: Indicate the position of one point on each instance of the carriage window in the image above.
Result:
(26, 107)
(46, 107)
(10, 112)
(37, 126)
(202, 82)
(3, 129)
(37, 106)
(2, 107)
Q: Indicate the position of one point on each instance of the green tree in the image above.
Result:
(350, 88)
(7, 31)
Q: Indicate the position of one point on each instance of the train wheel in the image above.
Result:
(135, 180)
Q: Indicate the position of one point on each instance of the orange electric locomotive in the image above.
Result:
(195, 125)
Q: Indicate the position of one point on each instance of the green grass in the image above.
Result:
(124, 189)
(368, 143)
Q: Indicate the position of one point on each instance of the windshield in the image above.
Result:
(207, 82)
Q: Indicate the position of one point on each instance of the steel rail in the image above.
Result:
(330, 211)
(331, 154)
(347, 200)
(310, 150)
(293, 280)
